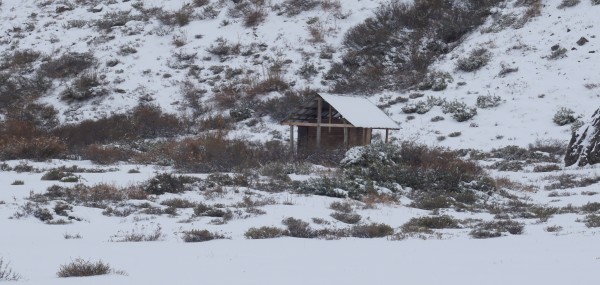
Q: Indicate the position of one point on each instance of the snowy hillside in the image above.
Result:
(140, 142)
(203, 58)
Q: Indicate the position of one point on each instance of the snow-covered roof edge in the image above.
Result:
(360, 111)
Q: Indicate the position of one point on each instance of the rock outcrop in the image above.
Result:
(584, 147)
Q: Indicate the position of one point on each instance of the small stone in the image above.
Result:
(554, 47)
(97, 9)
(582, 41)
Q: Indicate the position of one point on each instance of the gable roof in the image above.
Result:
(357, 111)
(360, 112)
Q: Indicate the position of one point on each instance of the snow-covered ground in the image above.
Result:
(530, 98)
(36, 250)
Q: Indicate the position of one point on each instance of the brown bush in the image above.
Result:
(81, 267)
(264, 233)
(19, 59)
(181, 17)
(19, 90)
(28, 143)
(69, 64)
(254, 17)
(200, 236)
(214, 153)
(85, 87)
(105, 154)
(98, 196)
(144, 122)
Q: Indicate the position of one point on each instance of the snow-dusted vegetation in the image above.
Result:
(141, 142)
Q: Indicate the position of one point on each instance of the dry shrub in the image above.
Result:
(496, 228)
(276, 107)
(144, 122)
(271, 84)
(69, 64)
(348, 218)
(423, 224)
(372, 231)
(6, 273)
(200, 236)
(115, 19)
(81, 267)
(23, 140)
(19, 59)
(264, 233)
(20, 90)
(167, 183)
(298, 228)
(105, 154)
(379, 47)
(85, 87)
(178, 203)
(215, 153)
(98, 196)
(254, 17)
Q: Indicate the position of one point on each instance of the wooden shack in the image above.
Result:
(335, 121)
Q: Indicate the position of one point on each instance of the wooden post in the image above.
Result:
(292, 140)
(345, 137)
(319, 112)
(387, 134)
(364, 137)
(330, 118)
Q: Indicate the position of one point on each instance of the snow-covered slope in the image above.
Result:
(299, 48)
(533, 94)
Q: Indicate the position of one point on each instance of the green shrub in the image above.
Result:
(459, 110)
(412, 165)
(436, 81)
(564, 116)
(488, 101)
(81, 267)
(476, 60)
(592, 221)
(264, 233)
(591, 207)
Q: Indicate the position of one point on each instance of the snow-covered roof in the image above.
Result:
(360, 112)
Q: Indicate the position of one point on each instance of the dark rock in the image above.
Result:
(584, 147)
(582, 41)
(554, 47)
(97, 9)
(61, 9)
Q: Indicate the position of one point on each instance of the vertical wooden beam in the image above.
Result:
(330, 118)
(292, 140)
(387, 134)
(345, 137)
(319, 113)
(364, 137)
